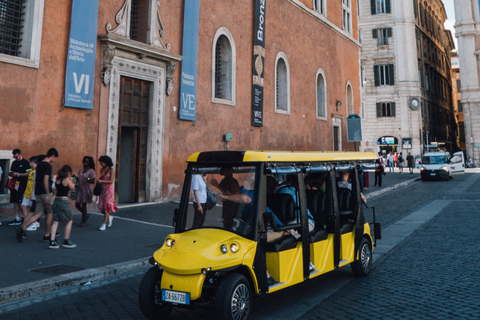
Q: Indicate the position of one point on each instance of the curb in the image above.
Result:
(30, 289)
(386, 189)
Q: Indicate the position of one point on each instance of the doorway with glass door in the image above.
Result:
(130, 180)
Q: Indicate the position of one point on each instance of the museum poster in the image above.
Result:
(188, 86)
(80, 71)
(258, 63)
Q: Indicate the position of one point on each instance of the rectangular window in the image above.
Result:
(385, 109)
(384, 75)
(11, 26)
(382, 35)
(346, 15)
(319, 6)
(458, 85)
(380, 6)
(459, 106)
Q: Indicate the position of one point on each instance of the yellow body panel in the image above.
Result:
(321, 255)
(289, 156)
(185, 283)
(286, 267)
(200, 248)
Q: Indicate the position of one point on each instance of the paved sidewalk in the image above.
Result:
(31, 268)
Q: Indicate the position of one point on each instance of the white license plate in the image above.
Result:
(433, 174)
(176, 297)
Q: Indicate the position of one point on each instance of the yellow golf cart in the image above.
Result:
(281, 218)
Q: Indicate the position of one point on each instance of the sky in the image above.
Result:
(450, 22)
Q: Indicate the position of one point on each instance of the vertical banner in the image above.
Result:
(81, 55)
(258, 63)
(188, 88)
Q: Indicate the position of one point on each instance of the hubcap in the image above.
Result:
(365, 257)
(240, 302)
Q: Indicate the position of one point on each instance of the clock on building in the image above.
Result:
(414, 103)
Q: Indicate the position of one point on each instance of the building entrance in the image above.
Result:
(130, 180)
(387, 144)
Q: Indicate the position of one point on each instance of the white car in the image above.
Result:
(440, 165)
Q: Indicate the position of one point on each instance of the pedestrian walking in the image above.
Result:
(86, 178)
(61, 208)
(199, 194)
(28, 202)
(18, 171)
(106, 201)
(401, 163)
(379, 172)
(43, 195)
(411, 162)
(395, 159)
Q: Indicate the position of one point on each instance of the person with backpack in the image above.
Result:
(400, 163)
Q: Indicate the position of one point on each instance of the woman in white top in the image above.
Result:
(199, 194)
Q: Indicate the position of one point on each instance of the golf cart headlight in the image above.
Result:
(224, 249)
(169, 242)
(234, 247)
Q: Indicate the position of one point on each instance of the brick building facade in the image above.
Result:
(311, 84)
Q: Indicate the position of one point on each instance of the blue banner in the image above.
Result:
(81, 55)
(188, 88)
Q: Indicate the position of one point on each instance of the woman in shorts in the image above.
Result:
(62, 211)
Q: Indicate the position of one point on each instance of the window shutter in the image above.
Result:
(392, 109)
(379, 110)
(372, 7)
(389, 32)
(374, 33)
(376, 72)
(387, 6)
(391, 75)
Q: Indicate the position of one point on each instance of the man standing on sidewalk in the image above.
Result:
(19, 167)
(411, 162)
(43, 194)
(391, 166)
(400, 163)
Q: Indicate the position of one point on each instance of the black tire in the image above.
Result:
(363, 264)
(150, 296)
(233, 298)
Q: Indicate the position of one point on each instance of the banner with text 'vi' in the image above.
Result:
(188, 87)
(81, 55)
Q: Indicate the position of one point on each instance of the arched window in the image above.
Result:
(350, 106)
(321, 96)
(223, 71)
(282, 85)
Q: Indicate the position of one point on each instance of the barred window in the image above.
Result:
(282, 86)
(11, 26)
(223, 68)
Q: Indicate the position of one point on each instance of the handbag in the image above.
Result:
(98, 189)
(73, 193)
(98, 186)
(211, 199)
(10, 184)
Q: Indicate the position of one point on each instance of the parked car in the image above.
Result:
(439, 165)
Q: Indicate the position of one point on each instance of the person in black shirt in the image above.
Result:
(43, 194)
(19, 171)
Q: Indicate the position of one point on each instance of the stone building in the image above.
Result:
(405, 70)
(467, 23)
(308, 68)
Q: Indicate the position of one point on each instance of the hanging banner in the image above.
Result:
(258, 63)
(188, 87)
(80, 71)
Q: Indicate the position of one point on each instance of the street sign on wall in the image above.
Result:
(354, 128)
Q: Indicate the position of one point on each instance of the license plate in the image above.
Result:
(176, 297)
(433, 174)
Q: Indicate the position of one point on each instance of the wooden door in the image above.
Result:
(132, 137)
